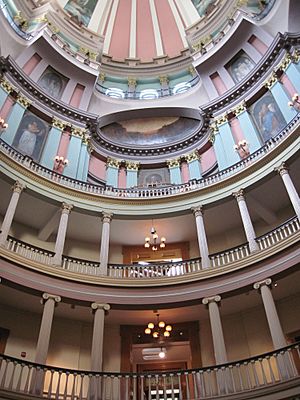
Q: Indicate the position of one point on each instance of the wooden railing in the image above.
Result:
(149, 192)
(262, 372)
(160, 270)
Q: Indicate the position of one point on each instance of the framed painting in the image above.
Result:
(52, 82)
(267, 116)
(240, 66)
(81, 11)
(30, 136)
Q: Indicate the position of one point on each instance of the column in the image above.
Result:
(49, 301)
(193, 160)
(164, 84)
(5, 90)
(112, 171)
(14, 119)
(131, 173)
(201, 234)
(247, 223)
(52, 143)
(294, 75)
(215, 139)
(280, 97)
(290, 188)
(174, 169)
(17, 189)
(106, 220)
(73, 154)
(249, 132)
(61, 234)
(131, 87)
(84, 158)
(216, 328)
(98, 333)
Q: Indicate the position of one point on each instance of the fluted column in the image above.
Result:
(106, 220)
(247, 223)
(61, 234)
(98, 333)
(17, 189)
(216, 328)
(290, 188)
(201, 234)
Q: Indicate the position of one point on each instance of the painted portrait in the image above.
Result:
(81, 11)
(267, 116)
(151, 131)
(52, 82)
(240, 66)
(31, 135)
(204, 7)
(153, 177)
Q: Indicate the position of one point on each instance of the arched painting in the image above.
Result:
(240, 66)
(150, 131)
(204, 7)
(52, 82)
(81, 11)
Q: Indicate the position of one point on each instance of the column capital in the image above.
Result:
(132, 165)
(221, 120)
(7, 86)
(266, 282)
(239, 195)
(107, 217)
(23, 101)
(100, 306)
(173, 163)
(163, 79)
(18, 187)
(282, 169)
(212, 299)
(271, 80)
(198, 211)
(112, 162)
(58, 123)
(192, 156)
(66, 208)
(131, 81)
(47, 296)
(240, 109)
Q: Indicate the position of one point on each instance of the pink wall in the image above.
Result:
(97, 168)
(145, 42)
(77, 95)
(7, 106)
(208, 159)
(31, 63)
(122, 178)
(288, 85)
(258, 44)
(62, 150)
(171, 38)
(119, 44)
(185, 174)
(236, 130)
(218, 83)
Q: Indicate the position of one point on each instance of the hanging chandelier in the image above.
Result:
(159, 330)
(154, 239)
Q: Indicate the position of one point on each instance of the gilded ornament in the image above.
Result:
(192, 156)
(57, 123)
(173, 163)
(240, 108)
(132, 165)
(131, 81)
(112, 162)
(271, 81)
(23, 101)
(6, 86)
(163, 79)
(102, 76)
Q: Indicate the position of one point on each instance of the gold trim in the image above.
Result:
(271, 80)
(7, 86)
(173, 163)
(23, 101)
(112, 162)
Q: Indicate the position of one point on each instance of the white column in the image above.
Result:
(110, 26)
(277, 334)
(132, 47)
(98, 333)
(290, 188)
(201, 234)
(216, 328)
(247, 223)
(106, 219)
(61, 234)
(157, 34)
(17, 189)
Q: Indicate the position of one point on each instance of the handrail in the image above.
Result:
(156, 270)
(157, 192)
(253, 373)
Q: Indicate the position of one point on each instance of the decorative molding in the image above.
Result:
(47, 296)
(240, 109)
(287, 59)
(198, 211)
(164, 80)
(7, 86)
(66, 208)
(174, 163)
(131, 81)
(18, 187)
(282, 169)
(239, 195)
(57, 123)
(192, 156)
(99, 306)
(265, 282)
(107, 217)
(23, 101)
(212, 299)
(221, 120)
(102, 77)
(272, 80)
(112, 162)
(132, 165)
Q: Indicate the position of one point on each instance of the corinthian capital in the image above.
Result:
(198, 211)
(107, 217)
(282, 169)
(239, 195)
(18, 187)
(66, 208)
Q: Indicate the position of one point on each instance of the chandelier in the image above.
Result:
(153, 240)
(159, 330)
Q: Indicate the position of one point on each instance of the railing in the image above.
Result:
(156, 192)
(255, 373)
(161, 270)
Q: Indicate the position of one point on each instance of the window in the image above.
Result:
(115, 93)
(148, 94)
(181, 87)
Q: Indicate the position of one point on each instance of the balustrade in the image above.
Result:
(161, 270)
(256, 373)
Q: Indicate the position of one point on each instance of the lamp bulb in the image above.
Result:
(162, 354)
(161, 324)
(151, 325)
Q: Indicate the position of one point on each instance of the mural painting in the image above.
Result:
(255, 7)
(153, 177)
(204, 7)
(30, 137)
(267, 116)
(150, 131)
(52, 82)
(81, 11)
(240, 66)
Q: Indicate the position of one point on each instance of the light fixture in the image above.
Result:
(295, 103)
(153, 241)
(3, 124)
(242, 146)
(59, 162)
(159, 330)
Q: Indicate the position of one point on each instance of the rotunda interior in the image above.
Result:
(149, 208)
